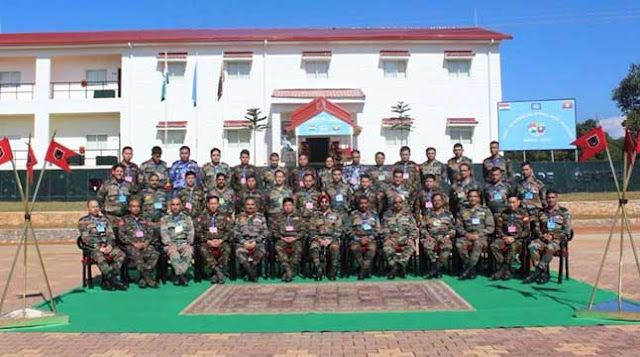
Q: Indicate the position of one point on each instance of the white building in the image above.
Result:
(100, 91)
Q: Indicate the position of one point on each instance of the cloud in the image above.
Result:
(613, 126)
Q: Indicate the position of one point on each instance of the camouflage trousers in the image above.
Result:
(215, 257)
(333, 251)
(542, 252)
(289, 253)
(470, 250)
(145, 260)
(363, 254)
(180, 257)
(503, 252)
(395, 253)
(437, 249)
(244, 256)
(108, 263)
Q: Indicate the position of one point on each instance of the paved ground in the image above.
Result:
(63, 263)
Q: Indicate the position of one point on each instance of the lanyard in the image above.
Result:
(176, 219)
(288, 221)
(214, 221)
(512, 219)
(244, 172)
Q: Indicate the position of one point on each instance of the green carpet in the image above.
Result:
(497, 304)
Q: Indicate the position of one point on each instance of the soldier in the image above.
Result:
(325, 228)
(296, 177)
(410, 170)
(155, 166)
(460, 188)
(499, 161)
(277, 194)
(154, 204)
(114, 195)
(512, 229)
(438, 230)
(474, 224)
(376, 199)
(424, 201)
(381, 174)
(453, 164)
(496, 192)
(209, 171)
(251, 234)
(399, 188)
(177, 233)
(131, 170)
(531, 190)
(354, 170)
(340, 194)
(289, 232)
(213, 231)
(251, 190)
(324, 174)
(401, 233)
(96, 233)
(192, 196)
(307, 198)
(434, 167)
(269, 173)
(226, 195)
(552, 227)
(365, 228)
(240, 173)
(136, 233)
(179, 169)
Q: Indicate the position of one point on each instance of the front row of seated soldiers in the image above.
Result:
(398, 232)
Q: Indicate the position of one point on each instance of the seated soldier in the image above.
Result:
(213, 230)
(289, 233)
(96, 233)
(365, 227)
(438, 230)
(474, 224)
(325, 229)
(176, 233)
(251, 234)
(512, 229)
(552, 227)
(401, 232)
(136, 233)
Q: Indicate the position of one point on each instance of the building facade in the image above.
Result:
(321, 90)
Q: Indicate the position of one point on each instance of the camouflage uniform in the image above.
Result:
(289, 254)
(499, 161)
(423, 204)
(177, 233)
(514, 224)
(214, 226)
(113, 198)
(239, 174)
(453, 167)
(261, 200)
(179, 170)
(209, 172)
(250, 229)
(458, 194)
(154, 204)
(476, 220)
(193, 200)
(325, 177)
(410, 173)
(268, 176)
(533, 194)
(364, 226)
(307, 202)
(149, 167)
(296, 176)
(407, 193)
(139, 230)
(401, 232)
(96, 232)
(132, 176)
(276, 199)
(437, 231)
(340, 195)
(381, 177)
(375, 203)
(325, 225)
(495, 197)
(352, 175)
(227, 199)
(435, 168)
(557, 222)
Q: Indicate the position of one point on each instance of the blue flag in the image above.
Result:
(194, 88)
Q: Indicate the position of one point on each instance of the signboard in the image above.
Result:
(537, 125)
(324, 124)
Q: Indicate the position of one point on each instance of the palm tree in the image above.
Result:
(405, 122)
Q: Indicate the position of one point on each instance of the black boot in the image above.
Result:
(319, 273)
(401, 271)
(219, 274)
(543, 278)
(177, 280)
(184, 280)
(288, 273)
(465, 273)
(393, 270)
(331, 274)
(499, 273)
(506, 275)
(105, 284)
(533, 276)
(148, 278)
(117, 284)
(142, 283)
(251, 273)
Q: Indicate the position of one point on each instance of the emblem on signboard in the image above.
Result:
(537, 129)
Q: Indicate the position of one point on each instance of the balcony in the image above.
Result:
(16, 91)
(85, 89)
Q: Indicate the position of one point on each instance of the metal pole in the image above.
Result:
(524, 155)
(552, 157)
(604, 257)
(13, 266)
(44, 271)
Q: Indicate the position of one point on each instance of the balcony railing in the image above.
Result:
(85, 89)
(89, 158)
(16, 91)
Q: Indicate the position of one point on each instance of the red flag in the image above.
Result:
(591, 143)
(58, 155)
(31, 162)
(6, 154)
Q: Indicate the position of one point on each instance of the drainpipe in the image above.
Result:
(489, 88)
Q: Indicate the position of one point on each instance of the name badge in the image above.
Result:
(122, 198)
(128, 179)
(405, 175)
(243, 180)
(353, 181)
(100, 228)
(497, 197)
(366, 226)
(288, 228)
(512, 229)
(437, 223)
(221, 201)
(301, 184)
(475, 220)
(381, 178)
(188, 206)
(157, 205)
(461, 195)
(551, 225)
(528, 195)
(139, 234)
(179, 229)
(309, 205)
(213, 229)
(428, 204)
(339, 198)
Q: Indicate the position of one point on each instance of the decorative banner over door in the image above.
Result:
(324, 124)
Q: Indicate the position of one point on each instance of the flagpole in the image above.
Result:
(166, 86)
(37, 189)
(195, 103)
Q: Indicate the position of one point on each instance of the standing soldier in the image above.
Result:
(474, 224)
(307, 198)
(438, 230)
(277, 194)
(325, 229)
(96, 233)
(209, 171)
(453, 164)
(240, 173)
(435, 168)
(155, 166)
(296, 177)
(458, 195)
(365, 228)
(289, 232)
(213, 231)
(410, 170)
(251, 191)
(177, 233)
(251, 234)
(399, 188)
(179, 169)
(380, 174)
(354, 170)
(324, 174)
(154, 204)
(136, 233)
(499, 161)
(269, 173)
(340, 194)
(552, 227)
(401, 233)
(496, 192)
(192, 196)
(531, 191)
(424, 201)
(131, 170)
(226, 195)
(512, 229)
(114, 195)
(376, 199)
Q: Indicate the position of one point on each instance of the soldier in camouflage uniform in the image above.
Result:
(96, 233)
(410, 170)
(399, 188)
(307, 198)
(180, 168)
(376, 199)
(401, 233)
(499, 161)
(213, 232)
(512, 229)
(268, 175)
(113, 196)
(459, 190)
(325, 229)
(531, 190)
(155, 166)
(424, 202)
(496, 193)
(324, 174)
(240, 173)
(177, 234)
(252, 191)
(277, 194)
(296, 177)
(474, 224)
(289, 232)
(437, 229)
(209, 171)
(225, 194)
(365, 228)
(251, 235)
(192, 196)
(340, 194)
(136, 233)
(435, 168)
(354, 171)
(453, 164)
(154, 203)
(380, 174)
(131, 170)
(552, 227)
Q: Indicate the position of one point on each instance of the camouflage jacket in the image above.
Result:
(154, 203)
(364, 225)
(307, 202)
(438, 225)
(226, 199)
(407, 193)
(193, 200)
(340, 196)
(176, 229)
(150, 167)
(96, 231)
(325, 177)
(476, 220)
(276, 198)
(290, 225)
(399, 226)
(410, 173)
(250, 228)
(499, 161)
(423, 203)
(113, 197)
(239, 176)
(513, 224)
(352, 175)
(376, 199)
(435, 168)
(453, 167)
(532, 193)
(495, 196)
(268, 176)
(326, 225)
(209, 171)
(556, 221)
(297, 174)
(381, 176)
(132, 176)
(213, 226)
(458, 193)
(261, 200)
(179, 170)
(134, 229)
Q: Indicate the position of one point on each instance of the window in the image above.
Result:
(459, 69)
(173, 136)
(394, 137)
(176, 69)
(238, 138)
(317, 69)
(97, 142)
(462, 135)
(395, 69)
(239, 69)
(10, 79)
(96, 76)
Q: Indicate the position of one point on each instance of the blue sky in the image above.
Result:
(572, 48)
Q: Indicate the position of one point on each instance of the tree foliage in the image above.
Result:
(257, 123)
(627, 96)
(405, 122)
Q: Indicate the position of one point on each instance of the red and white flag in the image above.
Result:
(591, 143)
(58, 154)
